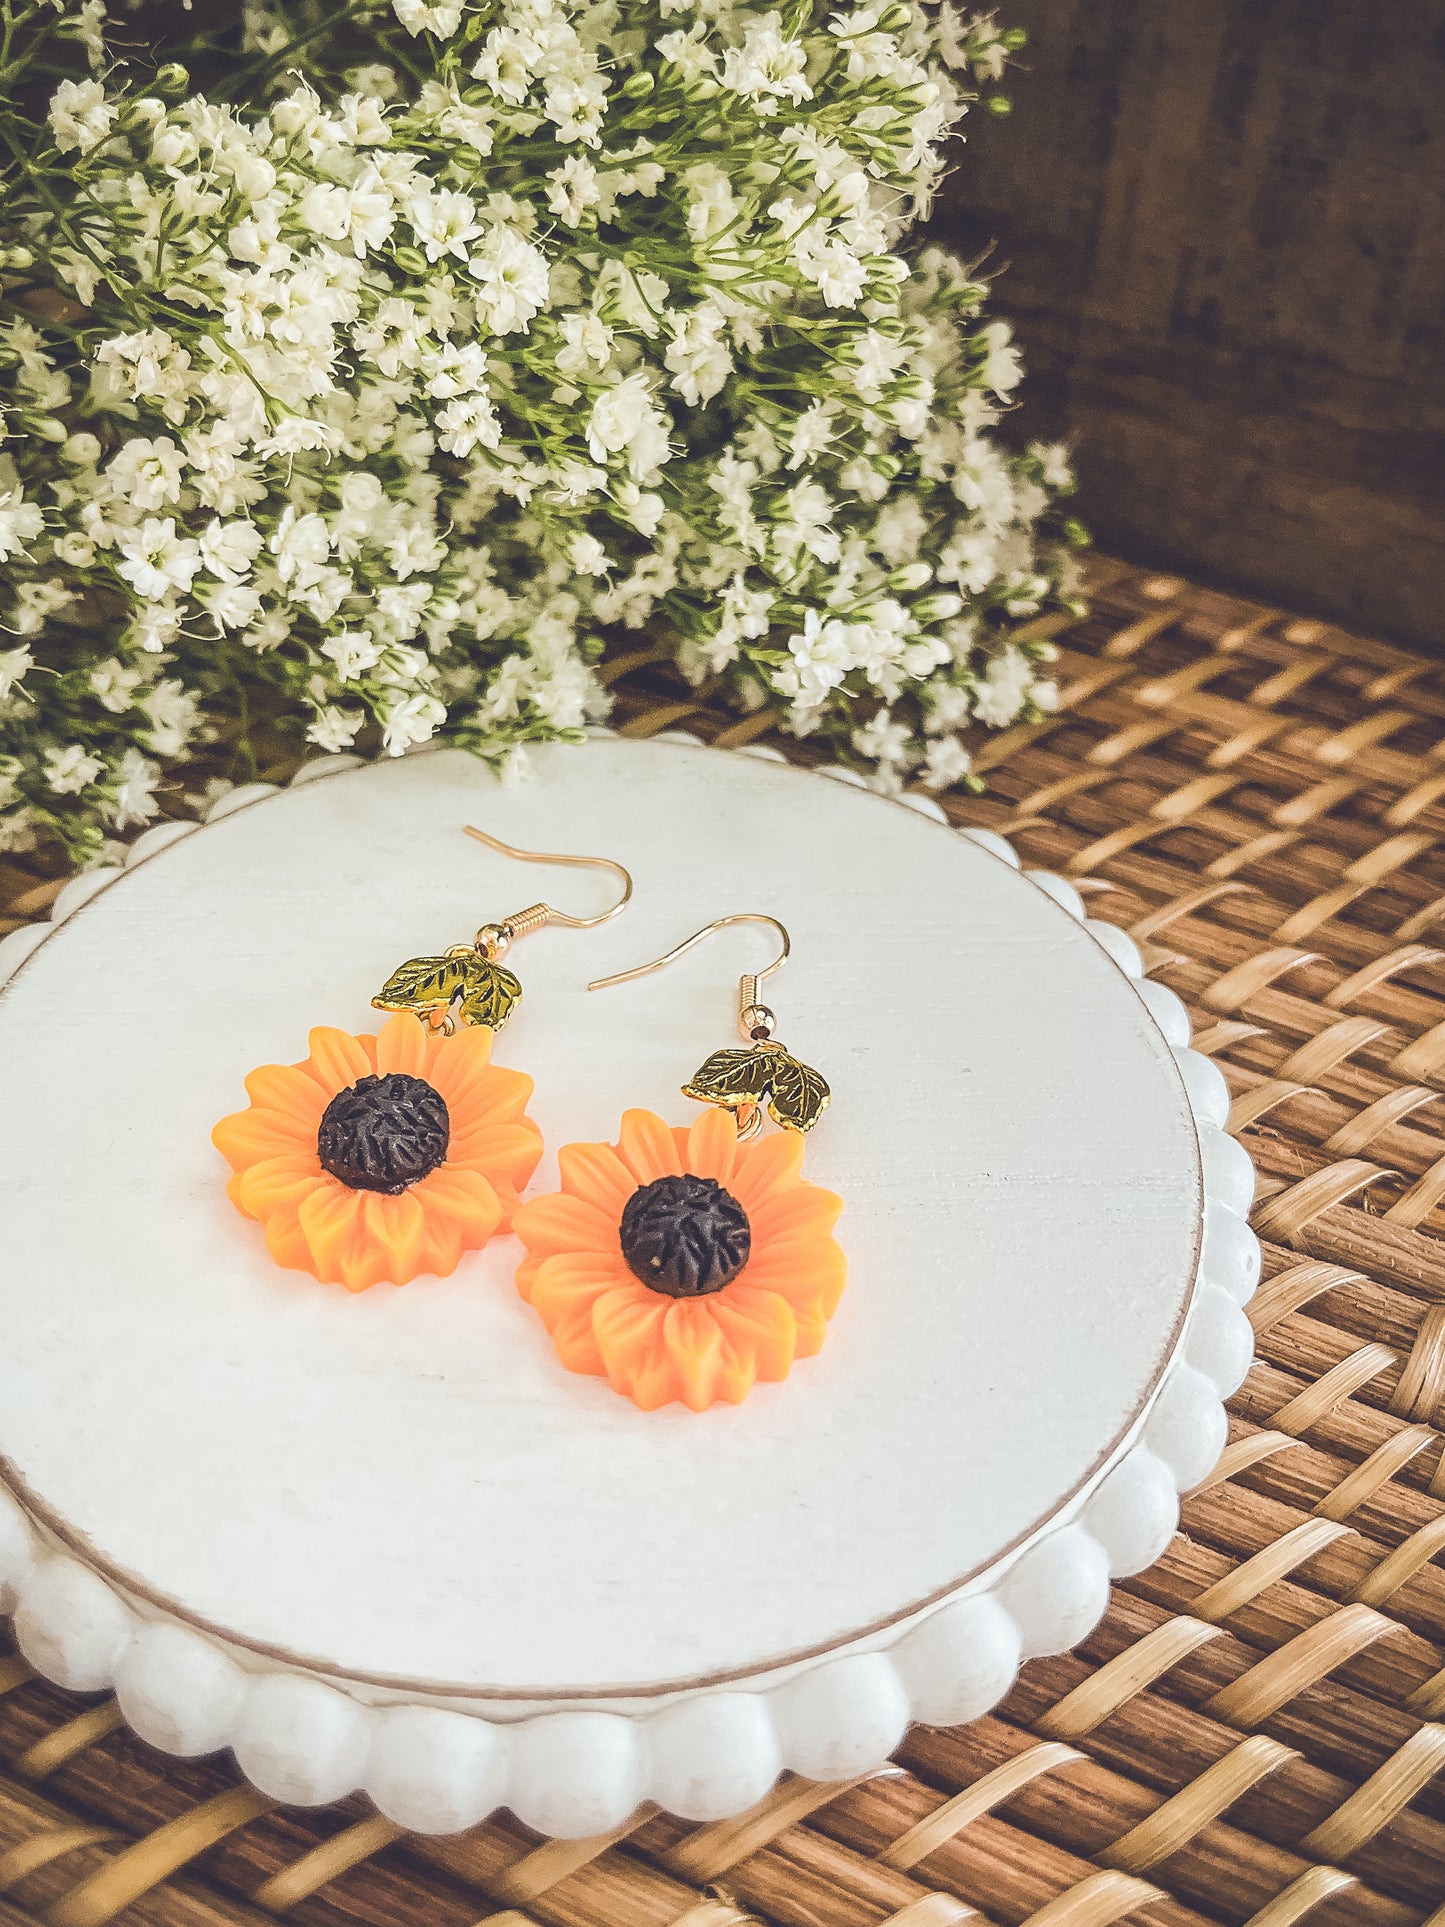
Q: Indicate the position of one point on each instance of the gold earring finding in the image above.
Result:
(467, 984)
(741, 1081)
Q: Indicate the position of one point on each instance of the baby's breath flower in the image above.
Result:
(20, 522)
(442, 19)
(332, 729)
(80, 115)
(410, 720)
(155, 559)
(70, 770)
(1001, 694)
(512, 282)
(132, 798)
(406, 399)
(173, 712)
(767, 68)
(15, 664)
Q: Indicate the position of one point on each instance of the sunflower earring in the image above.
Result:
(380, 1158)
(683, 1265)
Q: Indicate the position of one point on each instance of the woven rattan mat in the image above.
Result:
(1254, 1732)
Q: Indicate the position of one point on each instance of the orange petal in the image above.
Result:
(444, 1238)
(647, 1147)
(765, 1168)
(462, 1070)
(246, 1137)
(501, 1097)
(337, 1059)
(286, 1241)
(564, 1291)
(812, 1330)
(273, 1182)
(463, 1196)
(559, 1223)
(403, 1046)
(759, 1326)
(546, 1251)
(506, 1154)
(809, 1272)
(627, 1326)
(796, 1211)
(712, 1146)
(571, 1280)
(705, 1370)
(292, 1092)
(596, 1173)
(395, 1226)
(576, 1343)
(330, 1220)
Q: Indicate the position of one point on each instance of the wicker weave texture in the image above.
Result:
(1255, 1733)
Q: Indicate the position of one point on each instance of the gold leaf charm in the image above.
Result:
(460, 987)
(799, 1093)
(736, 1079)
(739, 1080)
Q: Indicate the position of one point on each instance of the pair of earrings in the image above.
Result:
(682, 1264)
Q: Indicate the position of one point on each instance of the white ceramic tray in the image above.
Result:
(385, 1541)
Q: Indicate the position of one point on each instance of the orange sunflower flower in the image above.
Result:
(380, 1158)
(681, 1265)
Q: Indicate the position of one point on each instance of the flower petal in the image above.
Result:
(503, 1096)
(506, 1154)
(286, 1241)
(403, 1046)
(596, 1173)
(712, 1146)
(571, 1279)
(467, 1052)
(396, 1232)
(647, 1147)
(564, 1291)
(476, 1090)
(337, 1059)
(559, 1223)
(796, 1211)
(290, 1090)
(706, 1370)
(627, 1325)
(266, 1186)
(246, 1137)
(766, 1167)
(463, 1196)
(809, 1272)
(759, 1326)
(330, 1220)
(575, 1342)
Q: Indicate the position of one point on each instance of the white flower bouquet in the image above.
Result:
(378, 387)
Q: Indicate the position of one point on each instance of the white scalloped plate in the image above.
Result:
(387, 1541)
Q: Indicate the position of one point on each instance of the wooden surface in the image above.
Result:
(1255, 1732)
(1224, 234)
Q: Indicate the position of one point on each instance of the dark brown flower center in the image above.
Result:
(384, 1133)
(685, 1237)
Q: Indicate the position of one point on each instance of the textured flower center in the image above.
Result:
(384, 1133)
(685, 1237)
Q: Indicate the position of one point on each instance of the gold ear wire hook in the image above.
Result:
(743, 1081)
(755, 1020)
(493, 938)
(467, 983)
